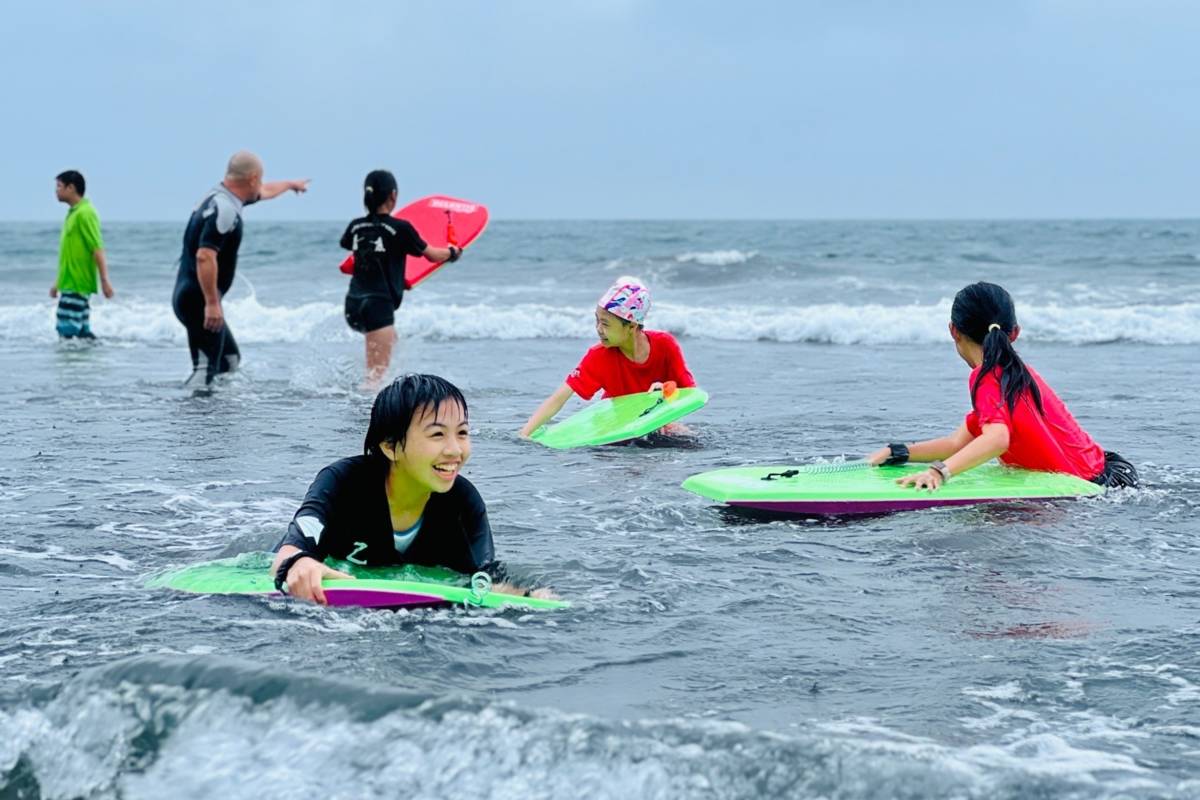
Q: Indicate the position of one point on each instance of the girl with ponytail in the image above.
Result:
(380, 243)
(1014, 415)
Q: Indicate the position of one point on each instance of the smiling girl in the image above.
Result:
(402, 502)
(628, 358)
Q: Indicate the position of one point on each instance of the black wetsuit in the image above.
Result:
(380, 244)
(216, 223)
(345, 515)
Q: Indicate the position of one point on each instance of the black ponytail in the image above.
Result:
(377, 188)
(985, 314)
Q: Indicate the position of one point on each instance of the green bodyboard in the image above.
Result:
(619, 419)
(857, 486)
(248, 574)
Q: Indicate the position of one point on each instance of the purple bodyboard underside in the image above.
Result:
(835, 507)
(378, 598)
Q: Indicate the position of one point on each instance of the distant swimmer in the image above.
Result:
(80, 258)
(380, 244)
(628, 359)
(1015, 415)
(209, 259)
(403, 501)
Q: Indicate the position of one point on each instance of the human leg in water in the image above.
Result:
(379, 353)
(213, 352)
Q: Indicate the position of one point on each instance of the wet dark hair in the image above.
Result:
(396, 404)
(72, 178)
(377, 188)
(976, 308)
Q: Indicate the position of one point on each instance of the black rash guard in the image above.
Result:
(345, 515)
(380, 245)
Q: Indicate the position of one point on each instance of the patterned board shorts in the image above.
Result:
(74, 316)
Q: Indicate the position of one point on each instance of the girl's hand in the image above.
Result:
(879, 456)
(304, 580)
(510, 588)
(654, 387)
(930, 479)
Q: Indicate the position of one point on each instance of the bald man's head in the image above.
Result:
(244, 167)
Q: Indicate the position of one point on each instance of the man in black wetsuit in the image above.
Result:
(209, 259)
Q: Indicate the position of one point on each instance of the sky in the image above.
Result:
(612, 109)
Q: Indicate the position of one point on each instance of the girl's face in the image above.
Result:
(963, 345)
(436, 447)
(612, 330)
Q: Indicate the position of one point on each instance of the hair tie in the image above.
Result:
(993, 327)
(369, 188)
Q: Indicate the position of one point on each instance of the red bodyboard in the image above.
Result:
(440, 221)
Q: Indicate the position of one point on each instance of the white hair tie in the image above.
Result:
(993, 327)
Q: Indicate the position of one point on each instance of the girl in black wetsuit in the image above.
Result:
(380, 244)
(401, 502)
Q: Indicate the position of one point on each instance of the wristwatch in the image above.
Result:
(899, 455)
(285, 567)
(942, 469)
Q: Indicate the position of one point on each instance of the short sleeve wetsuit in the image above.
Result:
(216, 223)
(345, 515)
(380, 245)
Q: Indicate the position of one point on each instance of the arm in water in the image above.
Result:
(305, 576)
(546, 411)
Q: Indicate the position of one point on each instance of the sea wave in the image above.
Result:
(716, 258)
(827, 323)
(188, 726)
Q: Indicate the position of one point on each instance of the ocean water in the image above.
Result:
(1013, 651)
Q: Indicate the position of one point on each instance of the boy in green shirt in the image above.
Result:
(80, 256)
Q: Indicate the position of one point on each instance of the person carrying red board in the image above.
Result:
(380, 243)
(628, 358)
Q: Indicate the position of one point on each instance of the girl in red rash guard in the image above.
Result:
(628, 359)
(1014, 415)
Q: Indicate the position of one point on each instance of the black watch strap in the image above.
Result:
(899, 455)
(286, 567)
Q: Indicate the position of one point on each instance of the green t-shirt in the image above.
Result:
(80, 240)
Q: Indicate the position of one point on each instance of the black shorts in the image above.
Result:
(366, 313)
(1118, 473)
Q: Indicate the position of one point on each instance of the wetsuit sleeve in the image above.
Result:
(587, 378)
(407, 241)
(220, 220)
(677, 368)
(347, 241)
(307, 527)
(989, 407)
(89, 231)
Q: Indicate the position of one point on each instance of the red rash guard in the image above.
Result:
(607, 368)
(1049, 442)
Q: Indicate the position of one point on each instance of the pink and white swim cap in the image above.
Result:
(628, 299)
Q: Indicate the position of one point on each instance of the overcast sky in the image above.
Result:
(613, 108)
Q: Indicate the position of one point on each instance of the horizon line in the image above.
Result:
(340, 220)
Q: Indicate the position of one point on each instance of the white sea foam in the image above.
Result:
(826, 323)
(716, 258)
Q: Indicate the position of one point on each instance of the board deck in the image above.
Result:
(619, 419)
(857, 488)
(441, 221)
(373, 587)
